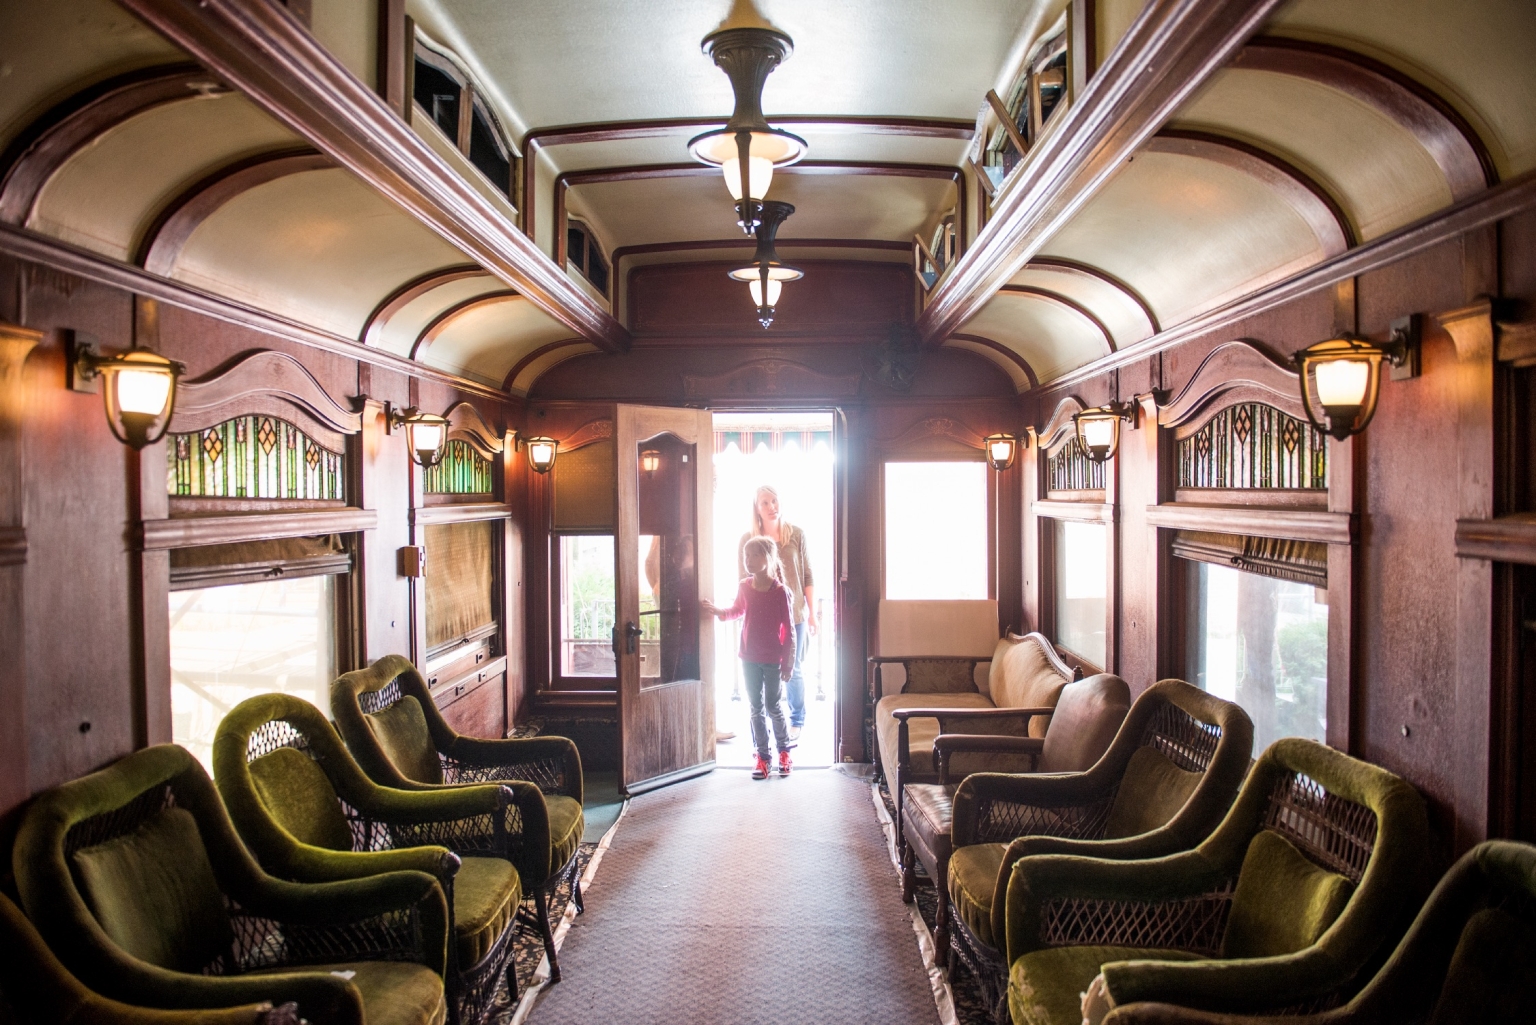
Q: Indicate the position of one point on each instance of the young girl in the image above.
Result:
(767, 645)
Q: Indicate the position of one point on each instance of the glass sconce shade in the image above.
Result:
(766, 274)
(1001, 450)
(775, 286)
(1098, 429)
(138, 388)
(1345, 373)
(759, 177)
(650, 461)
(541, 453)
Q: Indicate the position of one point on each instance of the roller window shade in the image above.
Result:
(460, 580)
(1305, 562)
(246, 562)
(584, 488)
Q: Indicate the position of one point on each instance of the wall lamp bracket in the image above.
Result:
(426, 433)
(137, 387)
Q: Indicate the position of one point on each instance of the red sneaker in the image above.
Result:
(784, 763)
(760, 770)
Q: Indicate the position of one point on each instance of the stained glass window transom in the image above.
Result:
(461, 471)
(1070, 469)
(253, 456)
(1252, 445)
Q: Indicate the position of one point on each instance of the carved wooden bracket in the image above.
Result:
(586, 434)
(1060, 422)
(266, 382)
(466, 424)
(1235, 372)
(771, 378)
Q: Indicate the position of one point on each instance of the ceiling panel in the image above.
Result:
(486, 342)
(1124, 318)
(1052, 339)
(400, 334)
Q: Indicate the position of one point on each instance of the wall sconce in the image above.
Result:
(426, 433)
(766, 274)
(650, 462)
(747, 149)
(541, 453)
(1098, 429)
(1001, 450)
(1346, 373)
(138, 390)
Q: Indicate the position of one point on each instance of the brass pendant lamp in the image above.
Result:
(766, 274)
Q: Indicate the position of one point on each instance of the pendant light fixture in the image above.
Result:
(747, 149)
(766, 274)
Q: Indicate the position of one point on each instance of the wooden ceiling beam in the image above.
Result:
(391, 305)
(260, 49)
(539, 353)
(1171, 49)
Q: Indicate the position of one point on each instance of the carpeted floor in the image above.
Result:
(732, 900)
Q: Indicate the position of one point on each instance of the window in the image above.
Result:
(461, 606)
(444, 92)
(233, 642)
(1037, 95)
(935, 531)
(583, 252)
(1081, 588)
(1261, 641)
(586, 608)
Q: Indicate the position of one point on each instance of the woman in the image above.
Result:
(766, 522)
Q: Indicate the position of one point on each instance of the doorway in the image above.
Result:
(794, 453)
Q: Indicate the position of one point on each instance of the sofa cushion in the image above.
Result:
(972, 883)
(1045, 986)
(1087, 718)
(402, 732)
(155, 894)
(1152, 791)
(299, 797)
(1283, 902)
(929, 815)
(1023, 676)
(920, 731)
(486, 892)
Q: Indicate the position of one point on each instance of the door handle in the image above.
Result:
(631, 635)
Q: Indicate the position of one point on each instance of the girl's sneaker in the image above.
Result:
(760, 770)
(783, 763)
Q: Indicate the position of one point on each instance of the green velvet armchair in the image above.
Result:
(138, 883)
(308, 813)
(1319, 864)
(396, 733)
(1469, 957)
(1165, 782)
(41, 991)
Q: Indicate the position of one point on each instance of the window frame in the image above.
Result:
(937, 451)
(558, 681)
(471, 100)
(592, 250)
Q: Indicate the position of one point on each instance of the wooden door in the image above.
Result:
(664, 644)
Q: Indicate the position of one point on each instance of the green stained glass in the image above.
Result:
(253, 457)
(462, 471)
(1252, 445)
(1070, 469)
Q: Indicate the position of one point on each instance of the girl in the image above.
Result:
(767, 522)
(767, 645)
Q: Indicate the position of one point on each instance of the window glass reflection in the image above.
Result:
(669, 586)
(1082, 583)
(586, 606)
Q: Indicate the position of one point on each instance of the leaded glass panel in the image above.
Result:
(1252, 445)
(461, 471)
(1070, 469)
(254, 456)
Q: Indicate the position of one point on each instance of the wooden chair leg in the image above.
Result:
(941, 928)
(542, 905)
(581, 907)
(908, 874)
(512, 974)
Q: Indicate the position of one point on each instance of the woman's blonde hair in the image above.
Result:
(757, 517)
(770, 552)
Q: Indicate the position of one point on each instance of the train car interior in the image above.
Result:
(985, 512)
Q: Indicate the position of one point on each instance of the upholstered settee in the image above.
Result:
(1313, 873)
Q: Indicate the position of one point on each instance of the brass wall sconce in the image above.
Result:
(541, 453)
(1002, 449)
(1098, 429)
(426, 433)
(650, 462)
(138, 389)
(1345, 372)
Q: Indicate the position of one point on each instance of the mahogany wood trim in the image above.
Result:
(1005, 119)
(1060, 420)
(1488, 207)
(1184, 42)
(194, 531)
(1297, 189)
(1437, 126)
(761, 378)
(29, 246)
(1516, 343)
(390, 74)
(1097, 274)
(388, 307)
(1066, 303)
(1334, 528)
(177, 220)
(48, 143)
(259, 49)
(202, 404)
(440, 323)
(464, 512)
(1088, 512)
(16, 344)
(1237, 366)
(543, 350)
(1502, 539)
(747, 243)
(593, 430)
(466, 423)
(13, 546)
(1007, 353)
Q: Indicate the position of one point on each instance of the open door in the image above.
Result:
(663, 643)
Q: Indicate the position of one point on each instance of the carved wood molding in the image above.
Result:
(440, 323)
(1185, 42)
(1471, 329)
(1334, 528)
(49, 142)
(259, 48)
(173, 226)
(194, 531)
(464, 512)
(268, 373)
(1088, 512)
(16, 344)
(388, 307)
(1234, 372)
(1516, 344)
(771, 378)
(586, 434)
(934, 427)
(466, 423)
(1504, 539)
(1060, 422)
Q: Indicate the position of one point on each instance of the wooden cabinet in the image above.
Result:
(472, 694)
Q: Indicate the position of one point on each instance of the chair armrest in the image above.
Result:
(186, 998)
(900, 714)
(1246, 986)
(1146, 1013)
(947, 744)
(551, 762)
(98, 1010)
(992, 806)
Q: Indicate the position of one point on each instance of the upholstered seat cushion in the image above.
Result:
(486, 893)
(930, 814)
(402, 732)
(972, 878)
(566, 824)
(393, 992)
(921, 732)
(1045, 986)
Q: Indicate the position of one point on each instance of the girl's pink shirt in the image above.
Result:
(768, 624)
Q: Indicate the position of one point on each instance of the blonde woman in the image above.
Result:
(790, 541)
